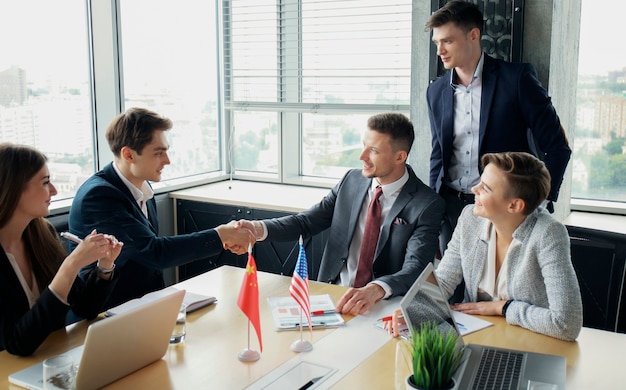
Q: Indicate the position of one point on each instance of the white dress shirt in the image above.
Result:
(141, 195)
(463, 172)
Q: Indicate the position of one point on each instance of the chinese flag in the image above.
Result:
(248, 300)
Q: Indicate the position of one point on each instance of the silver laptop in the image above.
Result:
(118, 345)
(482, 367)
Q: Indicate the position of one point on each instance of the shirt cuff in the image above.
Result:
(264, 236)
(57, 295)
(385, 287)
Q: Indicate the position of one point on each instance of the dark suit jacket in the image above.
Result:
(22, 330)
(513, 101)
(404, 248)
(104, 203)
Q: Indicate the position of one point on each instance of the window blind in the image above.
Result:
(311, 55)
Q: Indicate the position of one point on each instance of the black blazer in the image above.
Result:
(104, 203)
(22, 330)
(513, 101)
(408, 237)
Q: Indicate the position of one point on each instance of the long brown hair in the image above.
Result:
(19, 164)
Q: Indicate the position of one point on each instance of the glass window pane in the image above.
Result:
(251, 27)
(332, 144)
(255, 141)
(45, 94)
(356, 54)
(599, 158)
(170, 67)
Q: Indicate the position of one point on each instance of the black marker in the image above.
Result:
(310, 383)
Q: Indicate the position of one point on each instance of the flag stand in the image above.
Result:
(299, 290)
(248, 302)
(247, 354)
(301, 345)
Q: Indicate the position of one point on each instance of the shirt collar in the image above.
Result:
(478, 73)
(140, 194)
(392, 188)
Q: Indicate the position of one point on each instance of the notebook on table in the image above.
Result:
(118, 345)
(482, 367)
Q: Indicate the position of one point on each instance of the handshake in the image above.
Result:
(238, 236)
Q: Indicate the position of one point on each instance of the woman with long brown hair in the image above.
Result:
(39, 282)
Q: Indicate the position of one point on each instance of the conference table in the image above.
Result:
(216, 334)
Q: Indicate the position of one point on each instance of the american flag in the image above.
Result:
(299, 288)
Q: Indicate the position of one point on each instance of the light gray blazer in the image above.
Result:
(540, 275)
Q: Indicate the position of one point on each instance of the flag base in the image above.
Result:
(301, 346)
(249, 355)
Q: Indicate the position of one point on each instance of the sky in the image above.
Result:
(601, 46)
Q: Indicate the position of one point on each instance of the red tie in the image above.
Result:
(370, 240)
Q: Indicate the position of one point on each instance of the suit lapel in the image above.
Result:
(11, 281)
(152, 215)
(447, 125)
(361, 192)
(114, 179)
(488, 89)
(405, 195)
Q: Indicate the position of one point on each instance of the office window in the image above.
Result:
(170, 66)
(599, 157)
(45, 93)
(322, 68)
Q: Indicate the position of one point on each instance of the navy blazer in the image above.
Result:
(408, 236)
(104, 203)
(513, 101)
(23, 329)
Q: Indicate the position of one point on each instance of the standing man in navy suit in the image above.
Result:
(483, 105)
(119, 200)
(405, 240)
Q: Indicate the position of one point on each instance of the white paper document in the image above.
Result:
(286, 313)
(466, 323)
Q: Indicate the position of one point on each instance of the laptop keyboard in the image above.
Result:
(498, 370)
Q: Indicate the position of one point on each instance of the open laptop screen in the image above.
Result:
(425, 302)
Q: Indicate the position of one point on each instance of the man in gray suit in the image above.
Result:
(410, 217)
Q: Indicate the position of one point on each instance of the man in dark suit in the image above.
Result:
(483, 105)
(405, 239)
(119, 200)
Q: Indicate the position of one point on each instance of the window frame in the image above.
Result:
(106, 84)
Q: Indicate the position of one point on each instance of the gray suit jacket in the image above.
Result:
(408, 237)
(540, 275)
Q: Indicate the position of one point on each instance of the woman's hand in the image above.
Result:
(93, 247)
(97, 246)
(396, 323)
(480, 308)
(107, 261)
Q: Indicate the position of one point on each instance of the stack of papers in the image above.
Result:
(286, 313)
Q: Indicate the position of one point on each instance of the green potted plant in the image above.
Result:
(435, 356)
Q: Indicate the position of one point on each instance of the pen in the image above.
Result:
(310, 383)
(388, 318)
(322, 312)
(71, 237)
